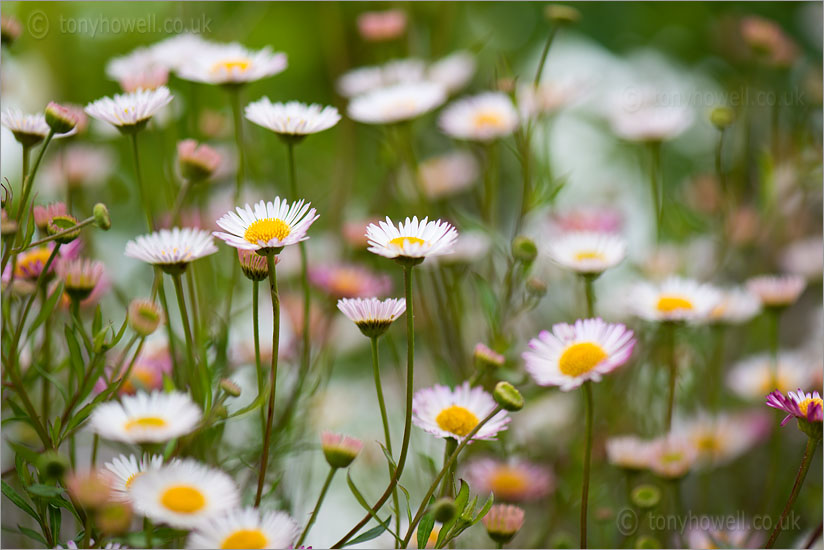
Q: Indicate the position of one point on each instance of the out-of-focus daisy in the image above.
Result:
(768, 41)
(572, 354)
(292, 119)
(197, 162)
(349, 281)
(724, 438)
(448, 174)
(270, 225)
(139, 69)
(777, 291)
(31, 263)
(152, 364)
(510, 481)
(471, 246)
(146, 417)
(672, 456)
(246, 528)
(546, 98)
(80, 276)
(754, 377)
(43, 214)
(675, 299)
(804, 258)
(588, 253)
(411, 239)
(178, 50)
(125, 469)
(483, 117)
(71, 545)
(801, 405)
(380, 26)
(596, 219)
(172, 250)
(642, 117)
(10, 29)
(629, 452)
(705, 534)
(78, 165)
(131, 111)
(231, 64)
(396, 103)
(372, 316)
(29, 130)
(453, 72)
(736, 306)
(359, 81)
(503, 521)
(445, 413)
(184, 494)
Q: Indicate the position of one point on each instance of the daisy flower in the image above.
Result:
(80, 276)
(380, 26)
(184, 494)
(246, 528)
(396, 103)
(131, 111)
(146, 417)
(152, 364)
(572, 354)
(349, 281)
(448, 174)
(411, 239)
(546, 98)
(367, 79)
(675, 299)
(231, 64)
(708, 534)
(724, 438)
(453, 72)
(737, 306)
(140, 69)
(372, 316)
(31, 262)
(445, 413)
(629, 452)
(78, 165)
(293, 119)
(125, 469)
(672, 456)
(754, 377)
(483, 117)
(503, 521)
(596, 219)
(641, 117)
(777, 291)
(29, 130)
(178, 50)
(510, 481)
(804, 258)
(270, 226)
(172, 249)
(801, 405)
(588, 253)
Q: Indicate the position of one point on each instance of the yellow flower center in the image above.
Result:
(770, 382)
(581, 358)
(267, 229)
(245, 538)
(707, 443)
(400, 241)
(456, 420)
(229, 65)
(27, 263)
(488, 119)
(131, 479)
(672, 303)
(145, 422)
(183, 499)
(671, 456)
(804, 405)
(508, 483)
(588, 255)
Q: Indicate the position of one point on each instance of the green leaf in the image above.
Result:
(97, 323)
(373, 533)
(32, 534)
(44, 491)
(487, 505)
(30, 455)
(19, 501)
(462, 498)
(75, 356)
(365, 505)
(425, 529)
(46, 309)
(55, 521)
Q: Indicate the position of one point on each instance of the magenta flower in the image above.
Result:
(806, 406)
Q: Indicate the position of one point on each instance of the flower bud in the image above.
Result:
(561, 15)
(645, 496)
(230, 387)
(721, 117)
(444, 509)
(101, 216)
(647, 541)
(503, 521)
(80, 277)
(91, 489)
(536, 287)
(10, 29)
(524, 249)
(197, 162)
(509, 398)
(114, 518)
(340, 450)
(144, 316)
(61, 223)
(253, 265)
(44, 214)
(59, 118)
(7, 227)
(52, 465)
(487, 358)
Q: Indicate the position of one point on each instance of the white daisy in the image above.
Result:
(411, 239)
(125, 469)
(172, 249)
(629, 452)
(445, 413)
(804, 258)
(247, 528)
(737, 305)
(447, 174)
(396, 103)
(777, 291)
(176, 51)
(184, 494)
(371, 315)
(642, 117)
(588, 252)
(270, 225)
(146, 417)
(754, 377)
(232, 64)
(366, 79)
(675, 299)
(453, 72)
(573, 354)
(29, 129)
(547, 97)
(482, 117)
(140, 68)
(130, 112)
(292, 118)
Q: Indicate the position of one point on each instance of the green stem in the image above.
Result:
(144, 199)
(194, 379)
(314, 515)
(147, 528)
(29, 181)
(669, 332)
(490, 182)
(273, 375)
(655, 186)
(238, 123)
(256, 336)
(181, 196)
(384, 419)
(590, 295)
(775, 336)
(407, 432)
(587, 461)
(95, 444)
(812, 443)
(544, 54)
(449, 480)
(57, 235)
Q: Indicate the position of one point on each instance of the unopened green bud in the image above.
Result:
(561, 15)
(721, 117)
(52, 465)
(230, 387)
(444, 509)
(60, 119)
(647, 541)
(524, 249)
(509, 398)
(61, 223)
(646, 496)
(101, 216)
